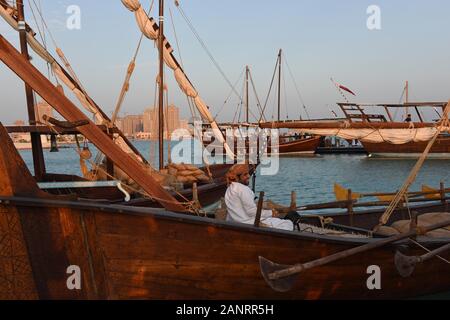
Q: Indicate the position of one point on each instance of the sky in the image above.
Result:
(320, 40)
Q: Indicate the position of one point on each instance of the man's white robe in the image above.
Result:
(241, 207)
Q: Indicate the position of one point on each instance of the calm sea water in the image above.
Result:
(312, 178)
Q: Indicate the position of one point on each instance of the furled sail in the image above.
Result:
(393, 136)
(373, 132)
(150, 29)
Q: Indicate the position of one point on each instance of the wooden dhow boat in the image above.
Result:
(125, 252)
(380, 134)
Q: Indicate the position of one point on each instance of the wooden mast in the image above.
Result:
(38, 156)
(279, 85)
(161, 85)
(407, 92)
(406, 98)
(247, 70)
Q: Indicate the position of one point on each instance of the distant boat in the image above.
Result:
(380, 135)
(412, 149)
(287, 145)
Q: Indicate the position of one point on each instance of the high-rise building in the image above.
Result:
(132, 124)
(171, 121)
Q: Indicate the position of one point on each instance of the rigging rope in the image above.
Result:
(191, 107)
(411, 178)
(229, 95)
(258, 103)
(428, 250)
(130, 70)
(296, 86)
(339, 90)
(41, 33)
(202, 43)
(286, 98)
(270, 90)
(176, 38)
(399, 102)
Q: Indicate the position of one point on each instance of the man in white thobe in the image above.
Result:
(240, 201)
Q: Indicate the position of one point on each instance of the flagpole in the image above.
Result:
(340, 91)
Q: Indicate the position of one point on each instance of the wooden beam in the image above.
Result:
(30, 75)
(344, 125)
(36, 144)
(52, 129)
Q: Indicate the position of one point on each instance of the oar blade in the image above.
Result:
(405, 265)
(281, 285)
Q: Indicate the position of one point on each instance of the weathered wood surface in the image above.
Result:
(308, 145)
(144, 255)
(53, 129)
(16, 274)
(339, 124)
(442, 145)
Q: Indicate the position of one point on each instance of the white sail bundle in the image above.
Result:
(371, 135)
(150, 29)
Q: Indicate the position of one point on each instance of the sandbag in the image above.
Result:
(182, 179)
(184, 173)
(203, 178)
(439, 233)
(431, 218)
(387, 231)
(172, 171)
(401, 226)
(426, 220)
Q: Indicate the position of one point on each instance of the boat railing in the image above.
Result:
(85, 184)
(434, 197)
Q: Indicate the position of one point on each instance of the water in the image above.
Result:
(312, 178)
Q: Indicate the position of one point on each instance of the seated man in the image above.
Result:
(408, 118)
(240, 201)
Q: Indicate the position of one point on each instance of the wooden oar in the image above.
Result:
(405, 264)
(281, 278)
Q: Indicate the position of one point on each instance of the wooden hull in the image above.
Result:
(299, 147)
(127, 253)
(307, 146)
(440, 149)
(208, 194)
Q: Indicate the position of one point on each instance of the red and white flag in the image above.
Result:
(346, 89)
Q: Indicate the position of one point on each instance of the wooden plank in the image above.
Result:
(52, 129)
(16, 276)
(344, 125)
